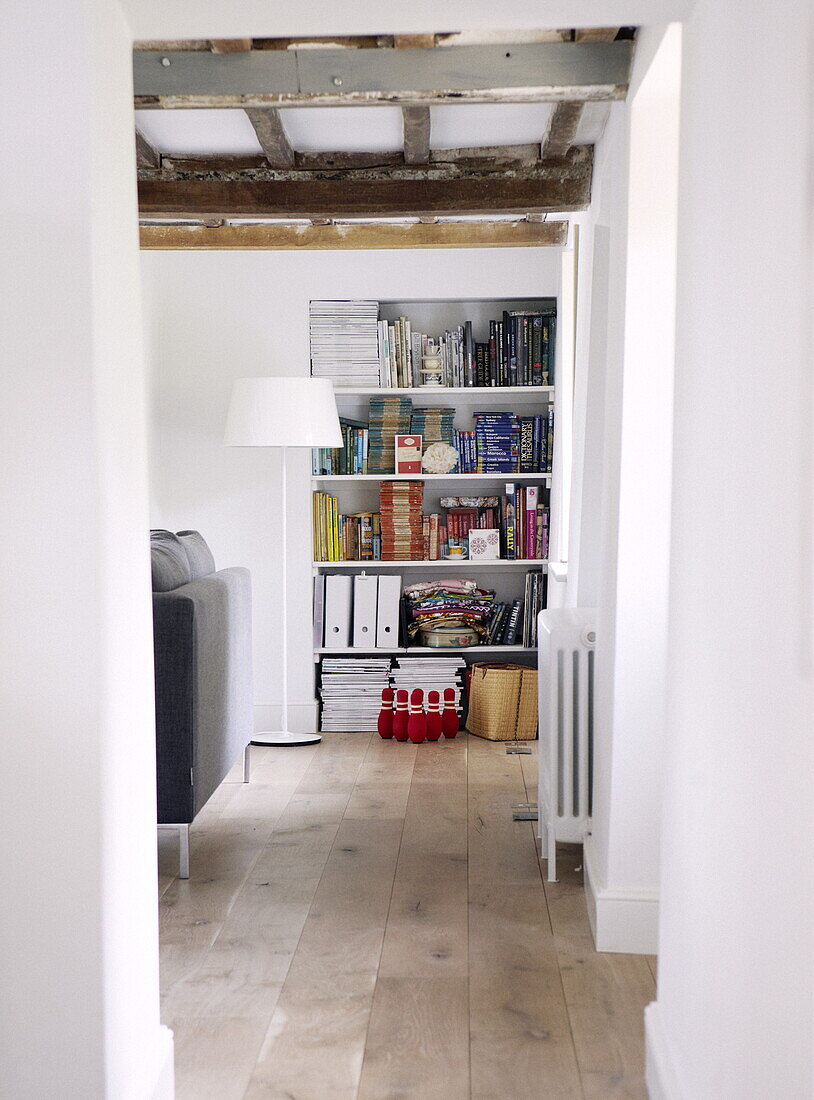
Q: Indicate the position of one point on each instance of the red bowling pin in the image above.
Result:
(417, 721)
(433, 715)
(385, 724)
(401, 717)
(449, 718)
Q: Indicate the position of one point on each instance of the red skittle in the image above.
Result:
(433, 715)
(401, 716)
(449, 718)
(417, 721)
(385, 723)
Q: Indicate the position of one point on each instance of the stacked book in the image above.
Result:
(534, 603)
(402, 522)
(430, 674)
(497, 438)
(350, 458)
(434, 425)
(351, 692)
(345, 342)
(388, 417)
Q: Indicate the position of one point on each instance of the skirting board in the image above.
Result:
(622, 922)
(660, 1074)
(302, 717)
(165, 1081)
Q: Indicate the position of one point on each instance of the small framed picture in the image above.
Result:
(484, 544)
(408, 454)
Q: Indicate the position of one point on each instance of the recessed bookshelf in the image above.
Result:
(512, 580)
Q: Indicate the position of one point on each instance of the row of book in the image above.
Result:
(520, 517)
(519, 352)
(502, 442)
(514, 622)
(368, 612)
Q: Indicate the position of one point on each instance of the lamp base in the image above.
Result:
(285, 738)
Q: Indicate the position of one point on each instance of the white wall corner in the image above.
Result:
(660, 1073)
(302, 717)
(624, 922)
(165, 1081)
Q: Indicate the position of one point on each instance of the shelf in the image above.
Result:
(475, 392)
(431, 477)
(435, 650)
(442, 563)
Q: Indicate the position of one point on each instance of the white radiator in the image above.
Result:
(566, 640)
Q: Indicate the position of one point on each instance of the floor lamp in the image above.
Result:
(283, 412)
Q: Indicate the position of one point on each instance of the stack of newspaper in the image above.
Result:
(429, 674)
(345, 342)
(351, 692)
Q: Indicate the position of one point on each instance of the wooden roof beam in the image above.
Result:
(270, 131)
(231, 45)
(525, 73)
(405, 191)
(486, 234)
(416, 125)
(147, 156)
(561, 131)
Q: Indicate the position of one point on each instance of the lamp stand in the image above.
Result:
(285, 737)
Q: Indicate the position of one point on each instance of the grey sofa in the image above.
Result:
(203, 676)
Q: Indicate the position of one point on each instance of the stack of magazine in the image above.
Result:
(429, 674)
(345, 342)
(351, 692)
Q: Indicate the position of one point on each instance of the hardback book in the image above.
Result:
(408, 454)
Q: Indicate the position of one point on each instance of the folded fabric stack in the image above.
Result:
(434, 425)
(402, 522)
(387, 418)
(452, 603)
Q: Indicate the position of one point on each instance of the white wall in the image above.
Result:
(214, 316)
(633, 325)
(78, 924)
(733, 1020)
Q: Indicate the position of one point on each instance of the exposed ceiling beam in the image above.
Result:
(595, 34)
(414, 41)
(231, 45)
(480, 158)
(268, 126)
(544, 71)
(416, 125)
(437, 235)
(408, 192)
(562, 129)
(147, 156)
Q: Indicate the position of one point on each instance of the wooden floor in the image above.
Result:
(364, 919)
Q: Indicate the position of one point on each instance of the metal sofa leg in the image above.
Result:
(183, 847)
(183, 851)
(246, 763)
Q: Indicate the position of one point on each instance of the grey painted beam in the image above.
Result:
(416, 123)
(553, 71)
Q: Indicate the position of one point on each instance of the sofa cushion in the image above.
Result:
(169, 561)
(201, 562)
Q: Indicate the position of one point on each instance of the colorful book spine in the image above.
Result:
(532, 492)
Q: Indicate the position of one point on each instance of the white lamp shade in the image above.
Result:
(282, 412)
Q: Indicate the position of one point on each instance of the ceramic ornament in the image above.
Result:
(417, 722)
(401, 716)
(433, 715)
(385, 723)
(484, 544)
(449, 718)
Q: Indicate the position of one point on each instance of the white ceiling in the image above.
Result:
(360, 129)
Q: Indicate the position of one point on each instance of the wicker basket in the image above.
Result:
(503, 702)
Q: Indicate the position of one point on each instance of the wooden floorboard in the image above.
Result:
(365, 920)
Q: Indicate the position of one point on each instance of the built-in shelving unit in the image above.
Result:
(359, 492)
